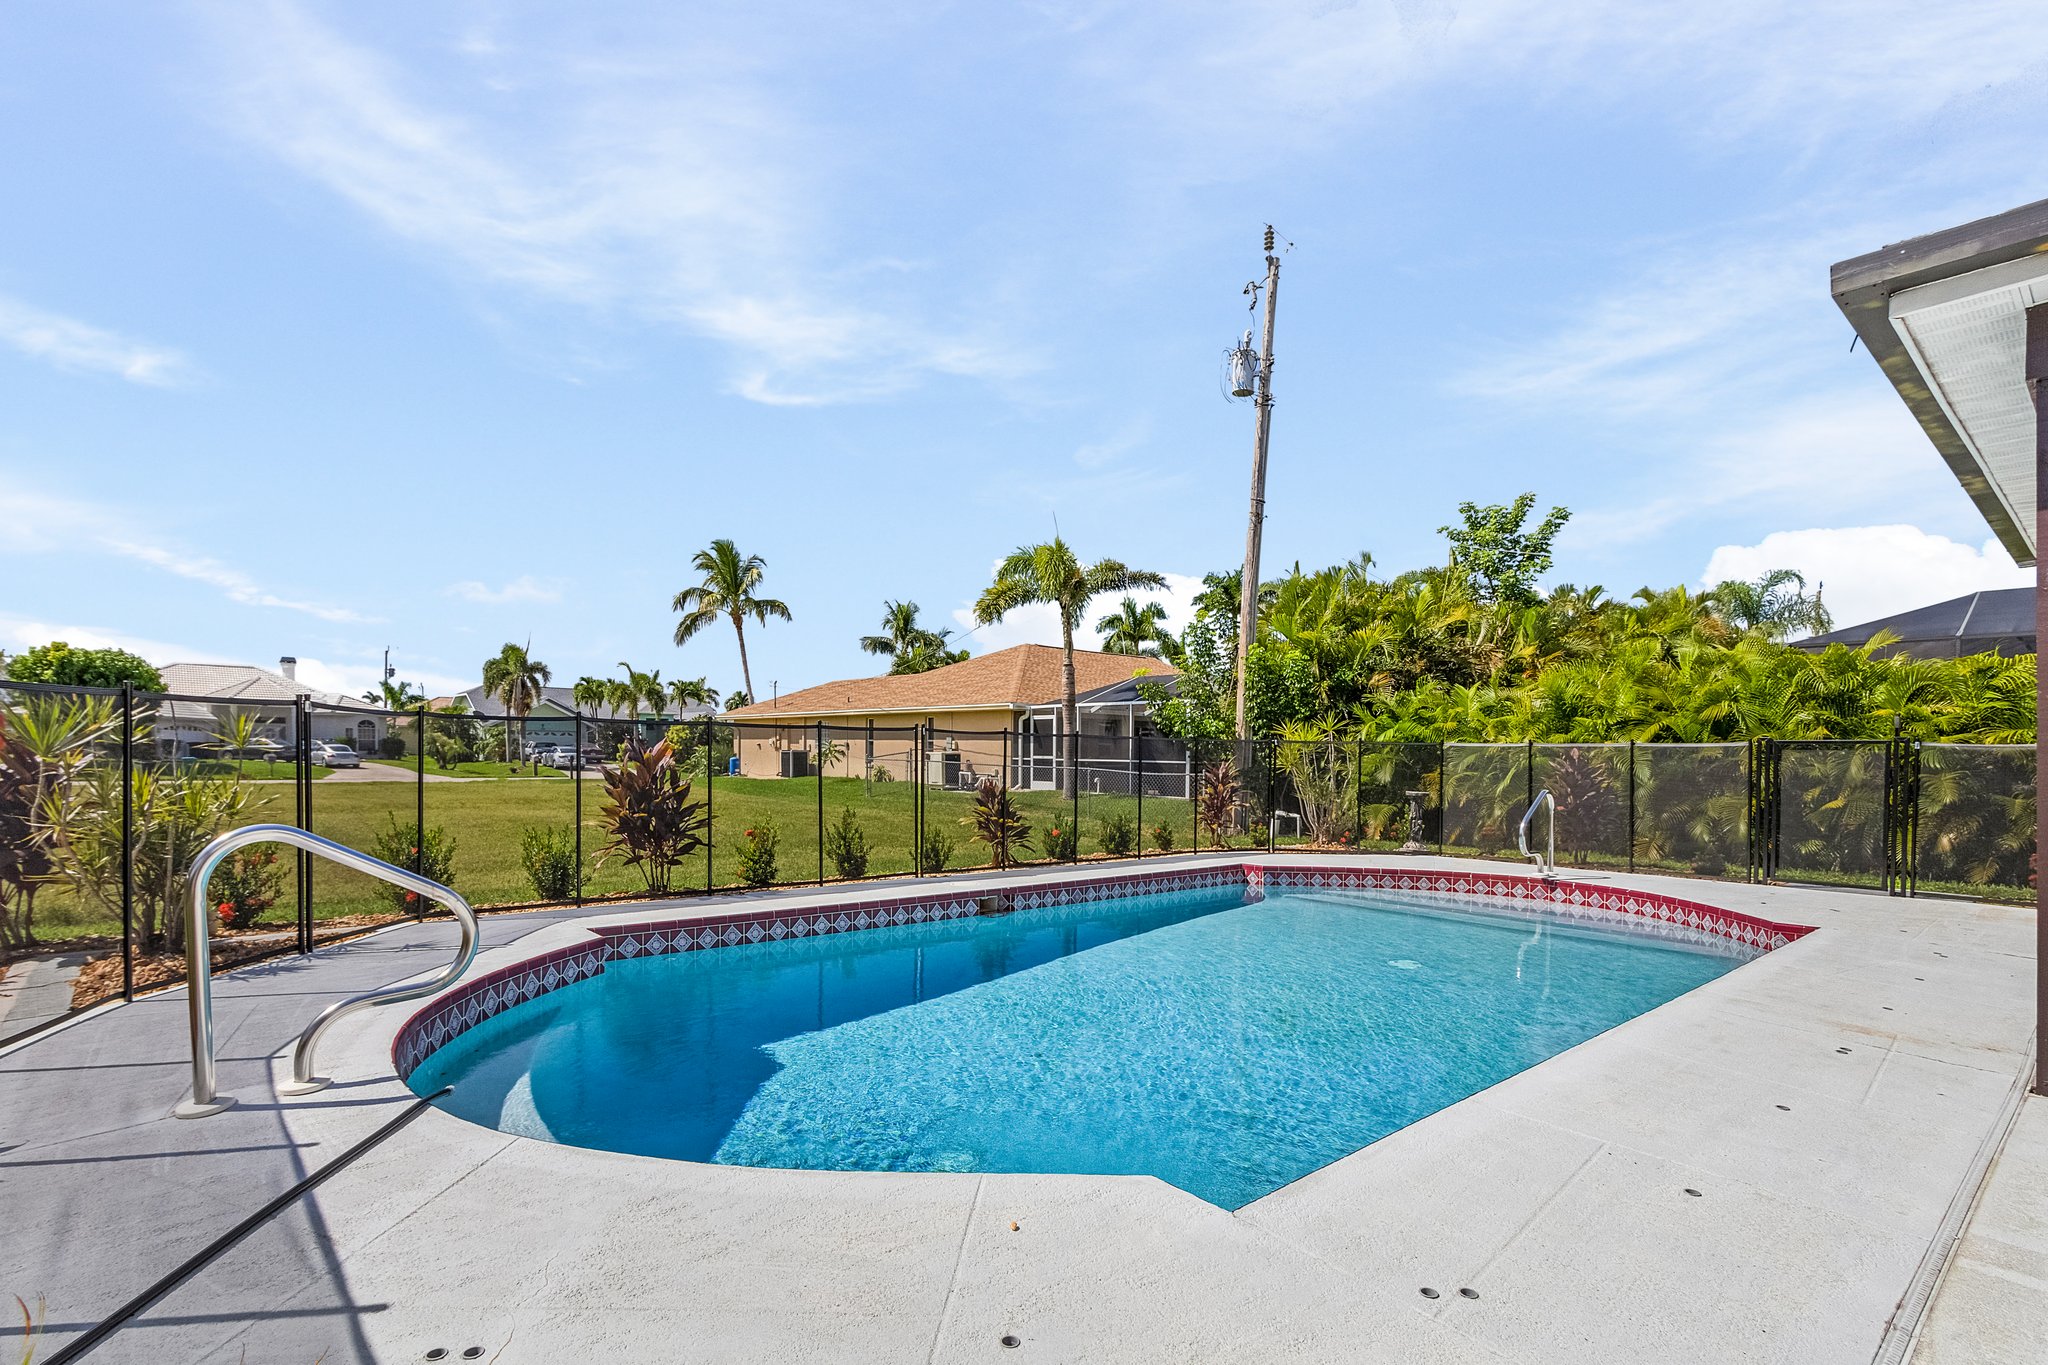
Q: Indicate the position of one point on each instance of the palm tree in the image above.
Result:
(637, 688)
(515, 677)
(590, 693)
(728, 589)
(399, 696)
(1050, 573)
(687, 692)
(910, 647)
(1134, 629)
(1776, 604)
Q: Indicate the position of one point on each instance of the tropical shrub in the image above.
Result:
(880, 773)
(757, 854)
(26, 860)
(549, 857)
(1162, 837)
(648, 815)
(1221, 800)
(391, 746)
(846, 844)
(934, 851)
(431, 855)
(1119, 835)
(245, 884)
(1061, 843)
(995, 820)
(175, 814)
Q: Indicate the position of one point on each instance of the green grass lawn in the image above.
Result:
(485, 821)
(257, 769)
(469, 769)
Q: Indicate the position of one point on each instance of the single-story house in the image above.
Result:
(183, 727)
(552, 721)
(1958, 321)
(1995, 621)
(982, 712)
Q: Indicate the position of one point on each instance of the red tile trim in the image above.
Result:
(466, 1005)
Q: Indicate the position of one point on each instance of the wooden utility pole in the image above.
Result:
(1248, 598)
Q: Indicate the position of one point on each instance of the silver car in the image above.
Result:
(335, 755)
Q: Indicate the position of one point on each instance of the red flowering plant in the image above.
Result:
(246, 883)
(431, 853)
(1059, 844)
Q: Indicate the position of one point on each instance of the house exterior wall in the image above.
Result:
(976, 735)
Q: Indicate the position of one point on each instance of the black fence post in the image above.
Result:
(818, 755)
(576, 775)
(710, 735)
(1138, 774)
(305, 722)
(128, 841)
(1074, 778)
(419, 804)
(1443, 802)
(1631, 805)
(1357, 793)
(1270, 821)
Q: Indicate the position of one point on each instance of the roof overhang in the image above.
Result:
(1945, 317)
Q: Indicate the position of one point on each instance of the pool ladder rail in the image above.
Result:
(206, 1098)
(1546, 861)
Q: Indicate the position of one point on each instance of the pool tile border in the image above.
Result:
(465, 1006)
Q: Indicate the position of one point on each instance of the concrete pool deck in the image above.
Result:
(1834, 1103)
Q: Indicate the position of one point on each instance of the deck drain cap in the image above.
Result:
(1429, 1293)
(1693, 1192)
(1786, 1107)
(438, 1353)
(472, 1352)
(1012, 1341)
(1468, 1293)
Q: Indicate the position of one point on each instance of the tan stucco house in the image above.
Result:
(981, 712)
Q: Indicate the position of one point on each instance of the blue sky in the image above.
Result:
(327, 328)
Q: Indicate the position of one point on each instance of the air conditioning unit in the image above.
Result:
(796, 762)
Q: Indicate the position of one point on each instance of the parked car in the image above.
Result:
(326, 755)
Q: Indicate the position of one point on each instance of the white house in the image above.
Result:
(204, 695)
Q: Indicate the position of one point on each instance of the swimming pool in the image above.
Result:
(1227, 1038)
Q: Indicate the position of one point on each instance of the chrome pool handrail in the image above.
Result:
(1546, 863)
(199, 965)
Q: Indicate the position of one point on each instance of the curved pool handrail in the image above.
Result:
(1546, 862)
(199, 965)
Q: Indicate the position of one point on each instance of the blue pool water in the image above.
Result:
(1223, 1046)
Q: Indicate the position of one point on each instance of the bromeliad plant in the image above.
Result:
(648, 815)
(996, 821)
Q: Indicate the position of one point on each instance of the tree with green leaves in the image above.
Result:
(1501, 558)
(590, 693)
(1136, 629)
(1050, 573)
(731, 582)
(1776, 604)
(688, 692)
(60, 664)
(909, 646)
(516, 678)
(394, 696)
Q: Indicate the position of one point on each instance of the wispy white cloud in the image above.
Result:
(43, 524)
(72, 345)
(524, 588)
(611, 185)
(1872, 571)
(1125, 439)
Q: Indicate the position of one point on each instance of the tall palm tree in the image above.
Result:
(1134, 629)
(910, 647)
(394, 696)
(687, 692)
(730, 582)
(1051, 574)
(640, 688)
(590, 693)
(515, 678)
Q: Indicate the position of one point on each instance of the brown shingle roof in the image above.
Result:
(1022, 675)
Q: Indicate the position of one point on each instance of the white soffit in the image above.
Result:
(1967, 336)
